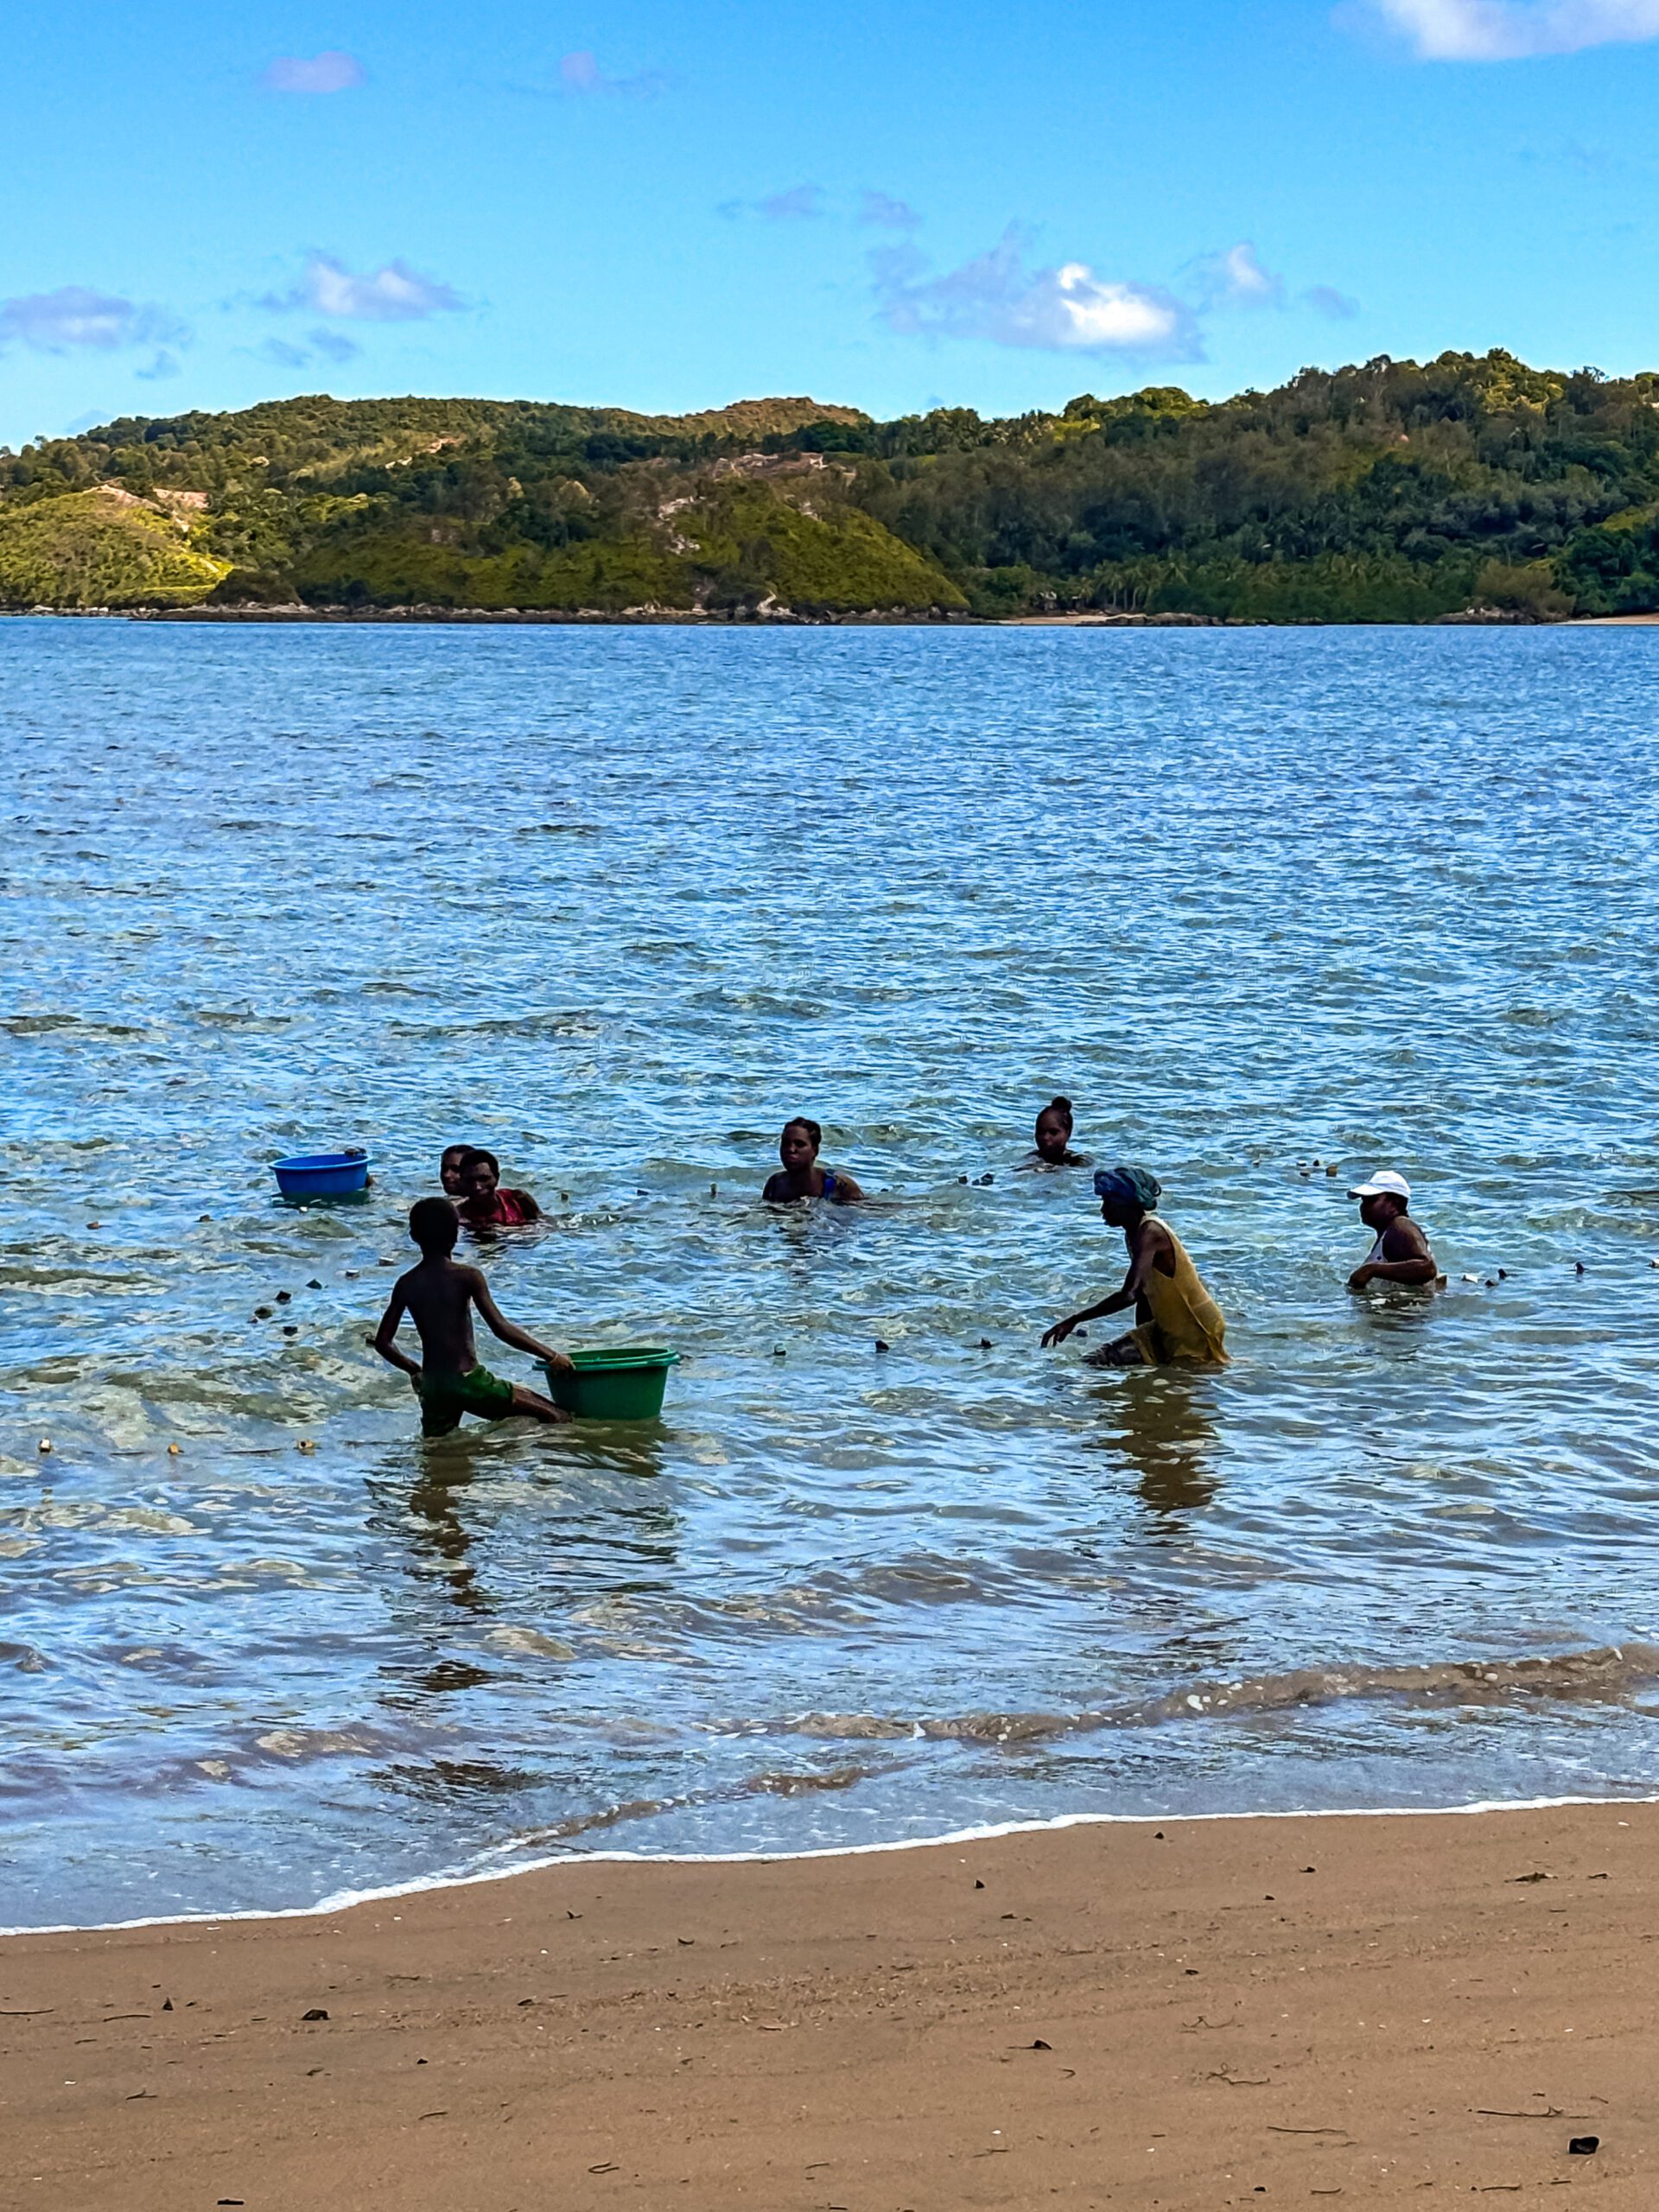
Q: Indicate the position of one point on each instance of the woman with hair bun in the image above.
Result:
(1053, 1146)
(801, 1176)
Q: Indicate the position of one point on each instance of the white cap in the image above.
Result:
(1385, 1184)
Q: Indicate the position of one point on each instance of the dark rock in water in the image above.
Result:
(881, 1347)
(984, 1343)
(1579, 1266)
(291, 1329)
(987, 1178)
(314, 1284)
(316, 2013)
(284, 1296)
(960, 1178)
(263, 1313)
(1584, 2146)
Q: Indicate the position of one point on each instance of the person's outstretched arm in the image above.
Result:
(384, 1338)
(1119, 1302)
(509, 1331)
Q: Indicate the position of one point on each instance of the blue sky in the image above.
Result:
(671, 207)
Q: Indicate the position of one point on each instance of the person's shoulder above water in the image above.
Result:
(1401, 1254)
(800, 1175)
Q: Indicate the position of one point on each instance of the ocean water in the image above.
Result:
(615, 903)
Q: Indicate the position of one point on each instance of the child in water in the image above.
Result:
(449, 1174)
(438, 1296)
(486, 1205)
(1176, 1318)
(1054, 1133)
(801, 1176)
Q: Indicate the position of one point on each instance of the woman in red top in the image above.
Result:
(486, 1205)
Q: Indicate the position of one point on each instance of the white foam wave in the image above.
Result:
(463, 1878)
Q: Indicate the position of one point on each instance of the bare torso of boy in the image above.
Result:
(440, 1295)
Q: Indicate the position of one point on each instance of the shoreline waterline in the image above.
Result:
(988, 1831)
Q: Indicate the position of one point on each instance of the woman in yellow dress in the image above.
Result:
(1176, 1319)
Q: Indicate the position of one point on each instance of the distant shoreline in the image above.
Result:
(786, 618)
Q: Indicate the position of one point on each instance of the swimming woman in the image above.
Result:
(487, 1204)
(801, 1176)
(1176, 1319)
(1053, 1144)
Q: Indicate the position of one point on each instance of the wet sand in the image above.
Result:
(1379, 2010)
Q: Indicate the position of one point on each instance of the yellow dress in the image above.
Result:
(1186, 1323)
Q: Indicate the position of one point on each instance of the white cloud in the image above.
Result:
(1511, 30)
(1335, 306)
(73, 315)
(281, 354)
(802, 203)
(1236, 279)
(394, 294)
(322, 72)
(887, 213)
(581, 73)
(332, 345)
(1068, 310)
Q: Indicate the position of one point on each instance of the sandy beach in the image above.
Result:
(1208, 2014)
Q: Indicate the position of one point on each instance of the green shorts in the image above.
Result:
(445, 1398)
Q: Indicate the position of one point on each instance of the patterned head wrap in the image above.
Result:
(1130, 1186)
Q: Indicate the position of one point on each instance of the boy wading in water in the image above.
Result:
(1176, 1318)
(1401, 1253)
(438, 1296)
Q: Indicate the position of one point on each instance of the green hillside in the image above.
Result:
(90, 549)
(1391, 491)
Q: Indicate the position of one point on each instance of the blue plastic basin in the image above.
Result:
(322, 1174)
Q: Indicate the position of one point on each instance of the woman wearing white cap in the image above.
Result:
(1401, 1253)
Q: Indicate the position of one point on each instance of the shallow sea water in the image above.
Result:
(616, 902)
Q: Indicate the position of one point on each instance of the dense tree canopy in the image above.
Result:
(1391, 491)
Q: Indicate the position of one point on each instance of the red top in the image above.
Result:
(508, 1209)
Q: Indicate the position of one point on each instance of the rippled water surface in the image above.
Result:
(615, 903)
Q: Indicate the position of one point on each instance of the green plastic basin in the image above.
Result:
(621, 1383)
